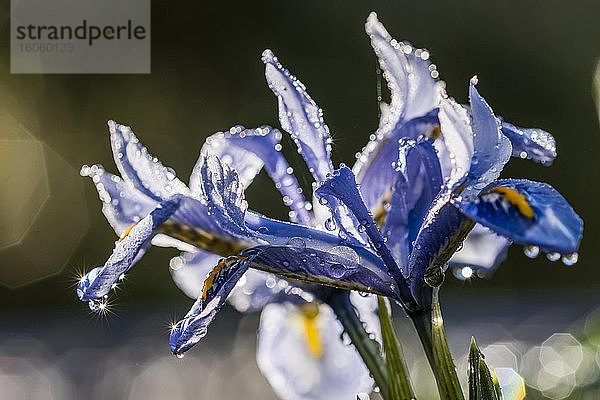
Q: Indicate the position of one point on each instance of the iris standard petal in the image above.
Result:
(97, 284)
(482, 251)
(247, 145)
(491, 149)
(324, 367)
(418, 183)
(411, 78)
(224, 195)
(339, 266)
(396, 227)
(255, 289)
(377, 172)
(455, 125)
(300, 117)
(122, 204)
(230, 150)
(217, 286)
(532, 143)
(138, 166)
(527, 212)
(342, 186)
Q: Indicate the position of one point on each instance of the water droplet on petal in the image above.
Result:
(345, 252)
(570, 259)
(180, 355)
(337, 271)
(95, 305)
(553, 256)
(531, 251)
(330, 224)
(170, 173)
(297, 243)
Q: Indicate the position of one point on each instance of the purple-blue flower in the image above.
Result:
(427, 181)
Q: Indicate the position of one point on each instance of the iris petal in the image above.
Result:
(483, 250)
(138, 166)
(377, 173)
(491, 149)
(122, 204)
(418, 182)
(458, 139)
(339, 266)
(553, 227)
(125, 252)
(532, 143)
(300, 116)
(409, 73)
(228, 147)
(189, 270)
(252, 292)
(339, 372)
(247, 149)
(217, 286)
(281, 233)
(342, 186)
(224, 195)
(443, 230)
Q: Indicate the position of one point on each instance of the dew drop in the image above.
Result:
(345, 252)
(361, 228)
(323, 201)
(570, 259)
(270, 282)
(553, 256)
(179, 355)
(170, 173)
(95, 305)
(337, 271)
(329, 224)
(531, 251)
(263, 230)
(297, 243)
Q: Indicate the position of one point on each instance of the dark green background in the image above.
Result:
(535, 62)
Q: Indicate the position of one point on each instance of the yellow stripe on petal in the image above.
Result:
(127, 231)
(208, 282)
(309, 313)
(516, 199)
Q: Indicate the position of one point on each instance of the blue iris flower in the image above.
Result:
(426, 182)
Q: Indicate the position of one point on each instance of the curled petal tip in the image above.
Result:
(372, 18)
(268, 56)
(474, 80)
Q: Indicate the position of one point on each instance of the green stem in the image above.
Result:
(367, 348)
(430, 328)
(399, 382)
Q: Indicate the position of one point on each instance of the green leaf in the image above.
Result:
(399, 383)
(482, 386)
(446, 376)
